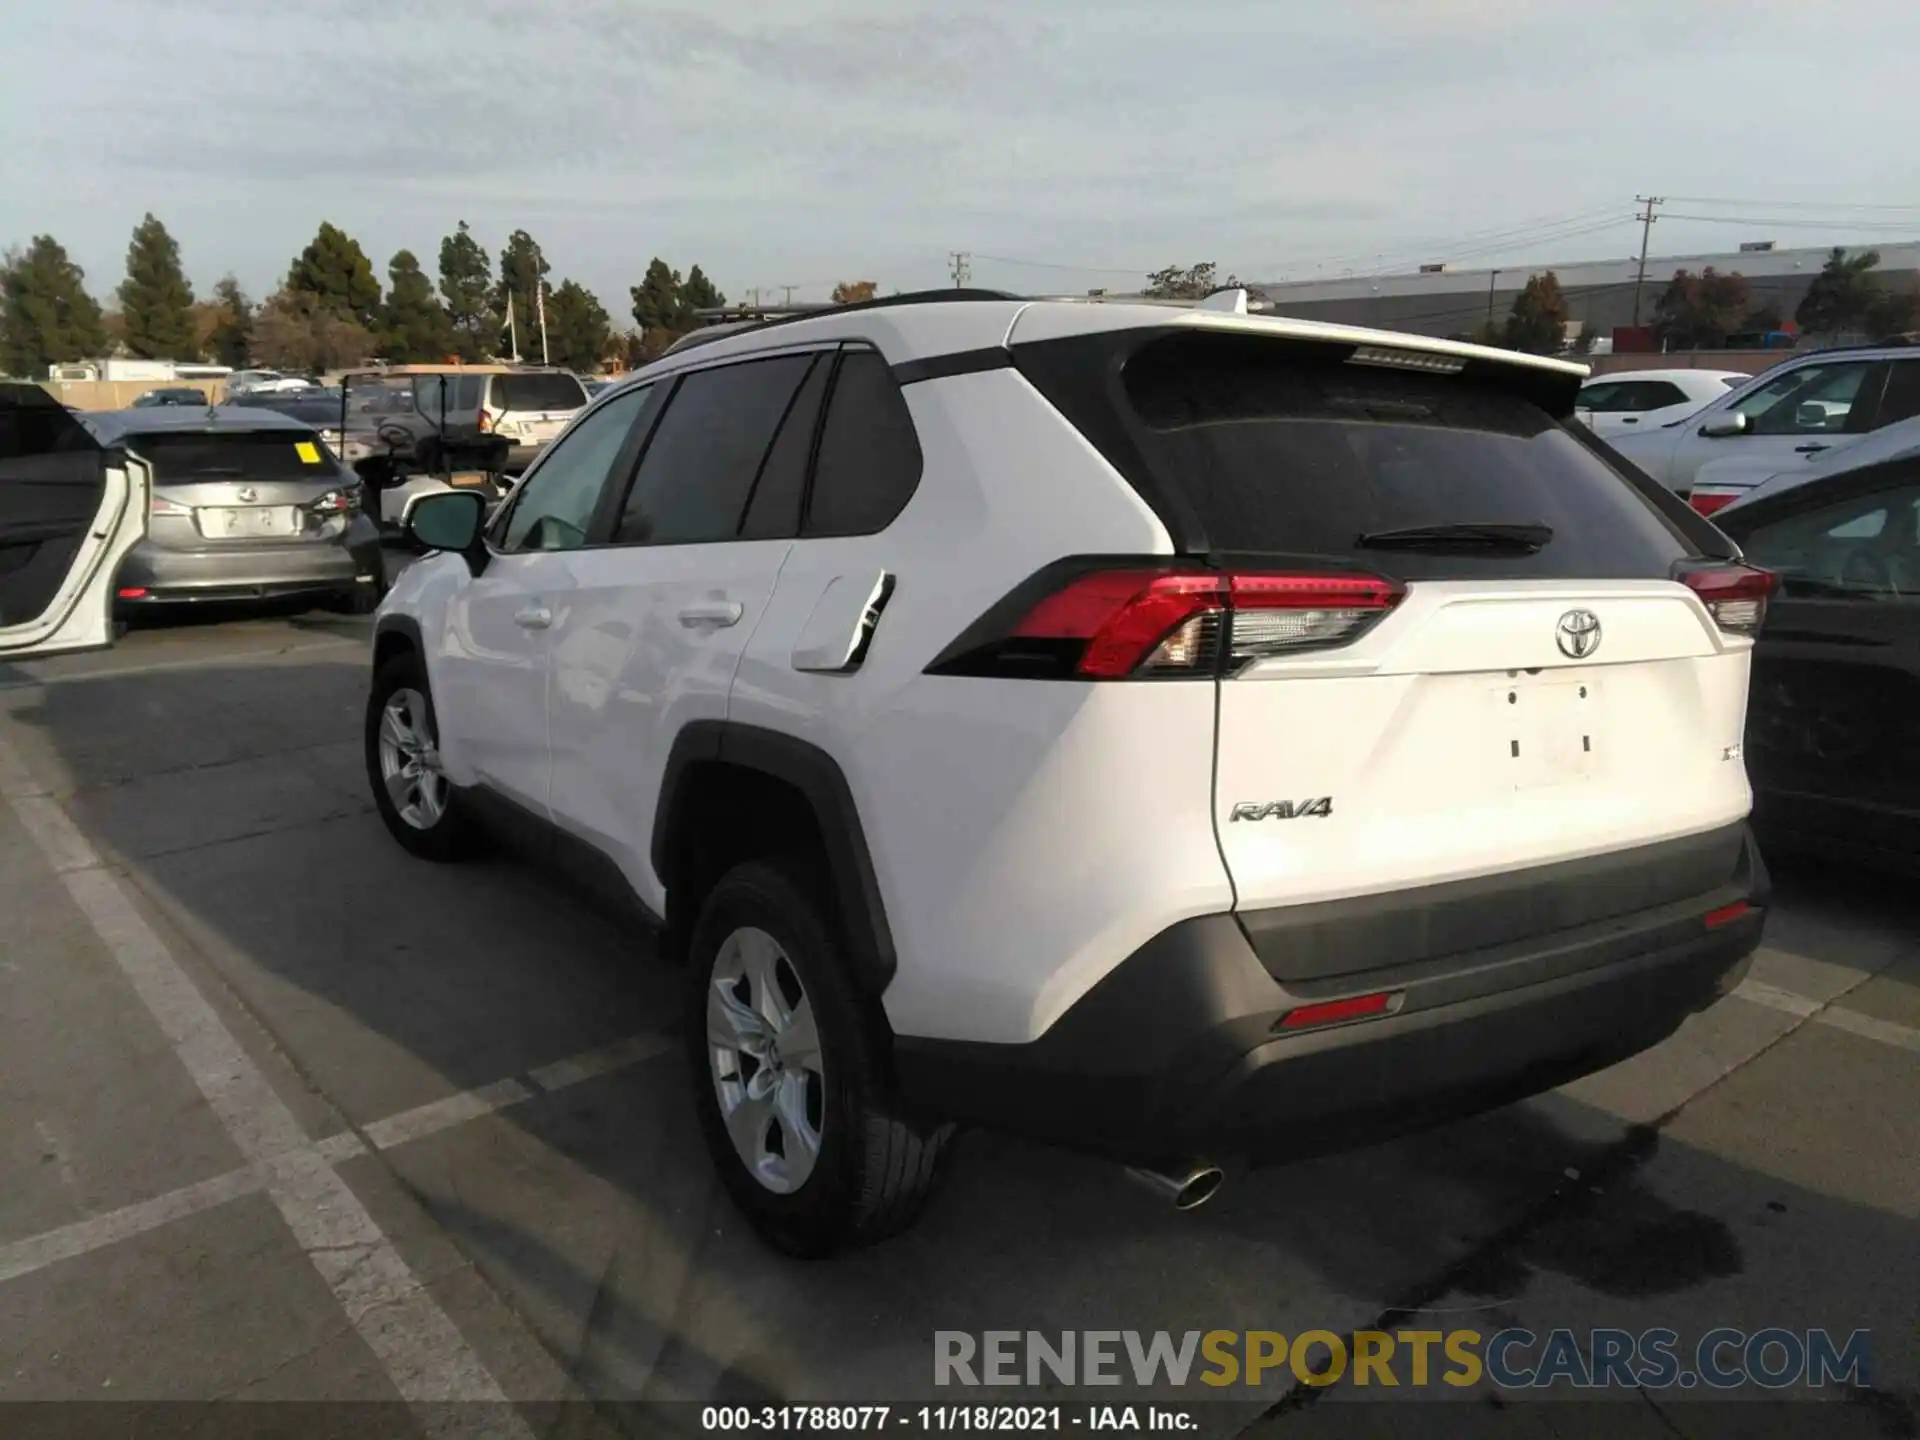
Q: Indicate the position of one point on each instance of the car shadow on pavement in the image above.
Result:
(235, 798)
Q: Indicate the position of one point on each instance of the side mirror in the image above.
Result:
(450, 520)
(1732, 422)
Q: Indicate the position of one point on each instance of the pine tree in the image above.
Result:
(416, 327)
(466, 284)
(155, 299)
(578, 330)
(232, 339)
(658, 302)
(46, 315)
(699, 293)
(335, 271)
(1841, 295)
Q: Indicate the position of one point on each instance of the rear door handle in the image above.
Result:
(534, 617)
(711, 612)
(1809, 449)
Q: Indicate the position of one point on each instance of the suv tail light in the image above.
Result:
(486, 422)
(1735, 595)
(1114, 622)
(1706, 500)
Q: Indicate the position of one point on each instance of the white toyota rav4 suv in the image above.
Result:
(1176, 735)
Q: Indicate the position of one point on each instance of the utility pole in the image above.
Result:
(1646, 218)
(962, 270)
(540, 305)
(1492, 279)
(789, 290)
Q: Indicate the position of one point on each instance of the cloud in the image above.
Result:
(828, 137)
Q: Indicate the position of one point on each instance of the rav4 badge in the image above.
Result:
(1283, 809)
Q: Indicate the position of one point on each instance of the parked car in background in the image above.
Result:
(1833, 724)
(249, 382)
(1824, 400)
(247, 504)
(1721, 483)
(1645, 399)
(171, 395)
(70, 511)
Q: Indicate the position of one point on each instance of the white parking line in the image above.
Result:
(36, 1252)
(34, 679)
(1839, 1017)
(1887, 1032)
(424, 1354)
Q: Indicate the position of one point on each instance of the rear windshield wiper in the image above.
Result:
(1494, 535)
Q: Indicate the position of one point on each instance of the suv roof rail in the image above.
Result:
(1892, 342)
(738, 318)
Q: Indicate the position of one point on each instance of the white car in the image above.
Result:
(1814, 403)
(1172, 734)
(1722, 483)
(70, 511)
(1622, 403)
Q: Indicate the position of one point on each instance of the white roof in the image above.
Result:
(929, 328)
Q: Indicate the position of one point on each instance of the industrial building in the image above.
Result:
(1441, 300)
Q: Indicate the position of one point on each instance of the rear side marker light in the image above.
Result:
(1727, 914)
(1706, 502)
(1166, 621)
(132, 592)
(1735, 595)
(1338, 1012)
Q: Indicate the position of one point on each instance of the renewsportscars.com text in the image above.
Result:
(1512, 1359)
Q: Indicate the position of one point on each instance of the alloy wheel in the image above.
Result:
(763, 1050)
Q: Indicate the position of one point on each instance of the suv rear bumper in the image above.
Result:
(1178, 1053)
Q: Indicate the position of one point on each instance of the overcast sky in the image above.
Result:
(815, 140)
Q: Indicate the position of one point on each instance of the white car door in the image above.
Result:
(1803, 410)
(70, 511)
(657, 619)
(490, 669)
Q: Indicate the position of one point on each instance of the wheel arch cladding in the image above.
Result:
(706, 766)
(395, 635)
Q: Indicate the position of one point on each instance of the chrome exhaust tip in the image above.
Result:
(1186, 1187)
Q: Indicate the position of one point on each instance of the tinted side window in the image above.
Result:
(1901, 399)
(1863, 548)
(700, 465)
(774, 511)
(869, 462)
(553, 508)
(1658, 393)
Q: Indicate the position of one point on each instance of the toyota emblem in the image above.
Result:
(248, 495)
(1578, 634)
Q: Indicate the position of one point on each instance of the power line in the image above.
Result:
(1788, 204)
(1841, 223)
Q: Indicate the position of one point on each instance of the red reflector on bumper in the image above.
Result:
(1727, 914)
(133, 592)
(1332, 1012)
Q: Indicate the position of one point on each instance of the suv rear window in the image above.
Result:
(537, 392)
(1284, 450)
(185, 459)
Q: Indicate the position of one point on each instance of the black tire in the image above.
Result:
(450, 836)
(875, 1167)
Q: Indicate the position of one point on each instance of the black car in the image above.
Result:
(171, 395)
(1833, 716)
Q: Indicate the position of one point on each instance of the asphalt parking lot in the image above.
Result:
(285, 1114)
